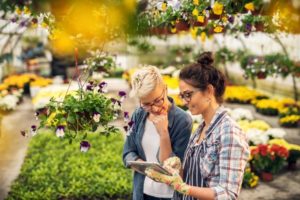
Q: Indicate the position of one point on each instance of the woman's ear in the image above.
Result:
(210, 90)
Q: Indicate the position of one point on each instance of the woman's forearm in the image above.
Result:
(202, 193)
(165, 147)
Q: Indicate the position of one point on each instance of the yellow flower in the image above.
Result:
(203, 36)
(218, 29)
(284, 143)
(290, 119)
(164, 6)
(196, 2)
(26, 10)
(44, 25)
(217, 8)
(173, 30)
(225, 19)
(18, 11)
(195, 12)
(194, 31)
(200, 19)
(249, 6)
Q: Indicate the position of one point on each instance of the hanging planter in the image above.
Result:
(259, 26)
(261, 75)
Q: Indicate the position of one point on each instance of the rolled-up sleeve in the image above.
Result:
(130, 152)
(233, 156)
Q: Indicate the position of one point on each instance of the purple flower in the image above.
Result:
(125, 128)
(208, 8)
(23, 24)
(248, 27)
(103, 87)
(89, 87)
(84, 146)
(231, 19)
(60, 131)
(130, 124)
(36, 114)
(33, 130)
(128, 128)
(122, 94)
(115, 101)
(34, 20)
(126, 117)
(14, 20)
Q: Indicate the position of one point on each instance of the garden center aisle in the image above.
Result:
(13, 149)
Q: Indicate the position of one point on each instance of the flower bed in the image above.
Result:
(242, 95)
(54, 169)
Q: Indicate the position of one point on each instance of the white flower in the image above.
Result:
(9, 102)
(257, 136)
(96, 117)
(276, 132)
(241, 114)
(60, 131)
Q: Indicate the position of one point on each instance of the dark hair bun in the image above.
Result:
(205, 59)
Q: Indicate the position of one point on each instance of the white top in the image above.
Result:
(150, 144)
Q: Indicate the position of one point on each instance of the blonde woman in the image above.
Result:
(160, 130)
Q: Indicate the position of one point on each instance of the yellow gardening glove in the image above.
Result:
(175, 180)
(173, 162)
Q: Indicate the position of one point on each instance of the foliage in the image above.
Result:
(224, 55)
(269, 65)
(53, 169)
(101, 62)
(250, 180)
(143, 46)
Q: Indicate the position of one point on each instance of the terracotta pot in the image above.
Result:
(160, 31)
(182, 26)
(266, 176)
(259, 26)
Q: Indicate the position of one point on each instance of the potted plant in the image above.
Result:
(268, 160)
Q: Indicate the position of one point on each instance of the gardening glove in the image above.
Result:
(173, 162)
(175, 180)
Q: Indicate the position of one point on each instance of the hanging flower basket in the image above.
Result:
(259, 26)
(261, 75)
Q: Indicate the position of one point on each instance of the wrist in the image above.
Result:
(183, 188)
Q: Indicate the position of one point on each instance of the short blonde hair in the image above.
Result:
(145, 81)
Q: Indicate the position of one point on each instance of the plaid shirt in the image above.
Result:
(218, 162)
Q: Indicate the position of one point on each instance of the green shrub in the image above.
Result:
(55, 169)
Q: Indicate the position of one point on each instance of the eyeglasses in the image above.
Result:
(187, 95)
(158, 102)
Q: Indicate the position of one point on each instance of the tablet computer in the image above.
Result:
(141, 166)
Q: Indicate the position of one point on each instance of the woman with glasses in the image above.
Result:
(218, 151)
(160, 130)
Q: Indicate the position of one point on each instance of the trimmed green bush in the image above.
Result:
(55, 169)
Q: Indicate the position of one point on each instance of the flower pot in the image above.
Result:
(261, 75)
(160, 31)
(292, 165)
(182, 26)
(259, 26)
(266, 176)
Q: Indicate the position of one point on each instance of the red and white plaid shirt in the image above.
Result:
(218, 162)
